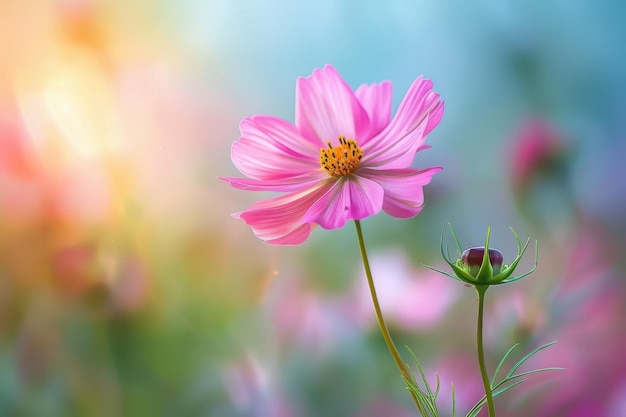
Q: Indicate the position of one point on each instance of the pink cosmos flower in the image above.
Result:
(344, 158)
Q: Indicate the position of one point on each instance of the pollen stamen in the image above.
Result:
(342, 159)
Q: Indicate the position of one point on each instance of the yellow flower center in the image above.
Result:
(342, 159)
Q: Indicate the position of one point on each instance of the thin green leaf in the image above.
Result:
(422, 399)
(535, 371)
(528, 356)
(505, 389)
(501, 387)
(429, 401)
(475, 410)
(421, 371)
(483, 401)
(504, 358)
(507, 380)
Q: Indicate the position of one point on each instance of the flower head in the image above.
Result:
(344, 158)
(483, 266)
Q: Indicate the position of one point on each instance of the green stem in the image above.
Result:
(481, 290)
(379, 317)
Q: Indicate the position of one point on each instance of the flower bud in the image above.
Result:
(482, 269)
(472, 260)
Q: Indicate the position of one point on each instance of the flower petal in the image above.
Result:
(286, 184)
(434, 117)
(376, 100)
(395, 147)
(398, 155)
(327, 108)
(351, 197)
(404, 195)
(271, 148)
(279, 220)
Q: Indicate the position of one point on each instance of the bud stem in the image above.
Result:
(481, 290)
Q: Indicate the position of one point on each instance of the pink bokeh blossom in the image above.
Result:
(539, 149)
(411, 299)
(344, 158)
(303, 316)
(253, 390)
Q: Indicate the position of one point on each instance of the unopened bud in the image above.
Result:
(472, 260)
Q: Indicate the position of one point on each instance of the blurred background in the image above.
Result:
(126, 289)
